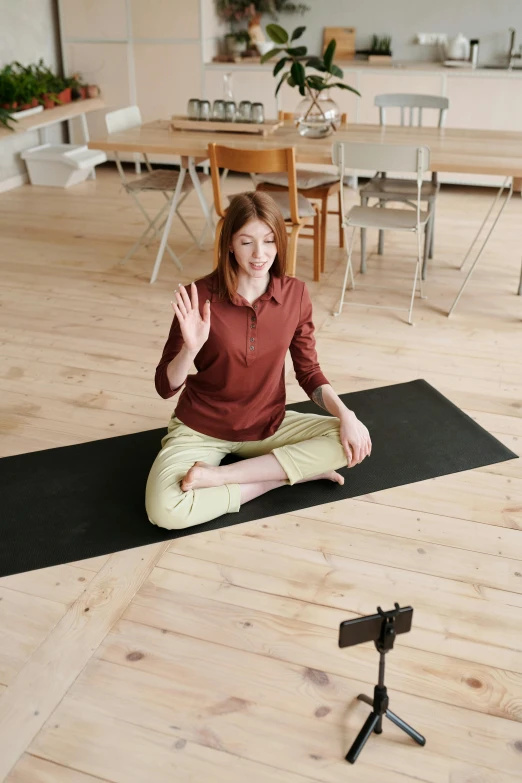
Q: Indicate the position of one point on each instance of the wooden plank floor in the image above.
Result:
(214, 657)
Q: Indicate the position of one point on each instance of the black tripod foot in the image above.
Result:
(373, 723)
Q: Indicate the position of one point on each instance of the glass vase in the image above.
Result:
(317, 115)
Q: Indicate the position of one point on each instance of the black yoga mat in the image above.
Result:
(74, 502)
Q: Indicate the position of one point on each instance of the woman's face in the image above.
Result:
(254, 248)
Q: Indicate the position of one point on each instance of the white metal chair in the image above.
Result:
(174, 186)
(394, 158)
(386, 189)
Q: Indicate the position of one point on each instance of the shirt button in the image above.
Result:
(255, 307)
(251, 347)
(253, 326)
(252, 339)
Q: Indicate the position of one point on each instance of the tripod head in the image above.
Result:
(388, 633)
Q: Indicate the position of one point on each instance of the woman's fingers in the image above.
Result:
(194, 295)
(185, 298)
(179, 316)
(180, 303)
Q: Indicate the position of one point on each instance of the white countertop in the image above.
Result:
(405, 65)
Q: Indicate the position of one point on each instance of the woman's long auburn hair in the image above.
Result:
(243, 208)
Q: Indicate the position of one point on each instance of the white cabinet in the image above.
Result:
(488, 102)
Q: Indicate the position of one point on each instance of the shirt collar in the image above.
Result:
(272, 292)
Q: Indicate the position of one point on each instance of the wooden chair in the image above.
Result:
(315, 185)
(296, 209)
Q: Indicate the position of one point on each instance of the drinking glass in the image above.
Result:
(193, 109)
(258, 113)
(218, 110)
(204, 110)
(245, 111)
(230, 111)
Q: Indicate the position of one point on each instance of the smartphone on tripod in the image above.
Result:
(368, 629)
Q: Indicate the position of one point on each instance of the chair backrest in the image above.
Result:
(363, 156)
(123, 119)
(289, 115)
(411, 101)
(253, 162)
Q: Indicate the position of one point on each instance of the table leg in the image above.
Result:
(86, 139)
(201, 196)
(464, 284)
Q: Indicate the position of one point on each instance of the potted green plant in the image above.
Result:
(380, 49)
(237, 42)
(317, 115)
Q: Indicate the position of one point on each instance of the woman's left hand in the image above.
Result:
(355, 439)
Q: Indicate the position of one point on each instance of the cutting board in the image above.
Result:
(345, 37)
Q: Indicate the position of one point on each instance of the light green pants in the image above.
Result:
(305, 445)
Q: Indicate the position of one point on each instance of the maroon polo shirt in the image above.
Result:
(238, 393)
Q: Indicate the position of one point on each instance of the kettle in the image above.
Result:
(457, 48)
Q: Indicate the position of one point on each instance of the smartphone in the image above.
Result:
(368, 629)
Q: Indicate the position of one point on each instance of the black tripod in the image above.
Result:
(380, 694)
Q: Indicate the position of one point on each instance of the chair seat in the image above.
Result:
(162, 179)
(281, 198)
(306, 179)
(376, 217)
(405, 188)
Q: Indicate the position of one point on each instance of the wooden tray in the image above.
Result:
(345, 37)
(182, 123)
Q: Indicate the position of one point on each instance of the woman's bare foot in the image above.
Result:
(202, 475)
(331, 475)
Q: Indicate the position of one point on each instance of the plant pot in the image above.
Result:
(83, 92)
(380, 59)
(65, 95)
(317, 115)
(234, 47)
(92, 91)
(48, 102)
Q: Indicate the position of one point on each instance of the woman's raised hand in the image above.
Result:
(194, 328)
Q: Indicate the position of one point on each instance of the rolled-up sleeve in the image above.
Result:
(172, 348)
(302, 349)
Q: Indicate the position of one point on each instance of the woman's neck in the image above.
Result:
(252, 288)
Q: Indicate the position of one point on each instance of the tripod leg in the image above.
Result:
(405, 727)
(362, 737)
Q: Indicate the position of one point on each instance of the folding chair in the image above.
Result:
(395, 158)
(296, 209)
(402, 190)
(174, 186)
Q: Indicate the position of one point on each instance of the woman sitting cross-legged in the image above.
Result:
(236, 325)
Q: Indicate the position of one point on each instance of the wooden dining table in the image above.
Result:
(458, 150)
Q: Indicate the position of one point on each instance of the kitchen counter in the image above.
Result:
(364, 65)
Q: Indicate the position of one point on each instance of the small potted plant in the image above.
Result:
(317, 115)
(237, 42)
(380, 51)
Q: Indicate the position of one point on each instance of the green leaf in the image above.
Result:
(345, 87)
(317, 63)
(280, 64)
(316, 82)
(302, 90)
(290, 81)
(336, 71)
(270, 54)
(277, 34)
(297, 51)
(297, 33)
(329, 54)
(298, 74)
(284, 77)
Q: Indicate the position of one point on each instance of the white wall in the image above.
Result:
(487, 20)
(28, 31)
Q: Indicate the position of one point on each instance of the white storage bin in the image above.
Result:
(61, 165)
